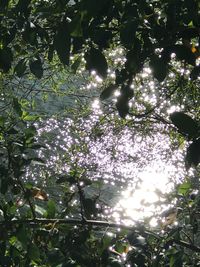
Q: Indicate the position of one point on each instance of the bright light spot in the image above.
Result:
(173, 55)
(93, 72)
(171, 75)
(98, 79)
(147, 70)
(141, 202)
(173, 109)
(96, 106)
(198, 61)
(112, 75)
(153, 222)
(89, 86)
(144, 75)
(117, 93)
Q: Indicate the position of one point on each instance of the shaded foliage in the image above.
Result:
(64, 226)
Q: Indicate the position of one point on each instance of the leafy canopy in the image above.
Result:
(37, 38)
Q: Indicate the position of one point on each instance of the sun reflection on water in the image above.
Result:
(147, 200)
(137, 159)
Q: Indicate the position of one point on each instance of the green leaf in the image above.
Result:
(30, 36)
(4, 4)
(66, 178)
(30, 131)
(89, 207)
(54, 257)
(40, 210)
(37, 161)
(20, 68)
(133, 63)
(6, 58)
(33, 252)
(127, 92)
(122, 106)
(122, 76)
(28, 117)
(159, 68)
(185, 124)
(195, 73)
(184, 188)
(176, 260)
(193, 154)
(4, 186)
(95, 60)
(94, 8)
(188, 33)
(51, 209)
(36, 67)
(22, 6)
(76, 64)
(108, 92)
(128, 32)
(114, 262)
(23, 236)
(101, 37)
(184, 53)
(75, 26)
(62, 42)
(17, 106)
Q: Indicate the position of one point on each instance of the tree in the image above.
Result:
(52, 211)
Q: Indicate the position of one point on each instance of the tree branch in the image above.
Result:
(187, 245)
(35, 222)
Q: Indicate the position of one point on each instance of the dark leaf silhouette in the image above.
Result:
(107, 92)
(6, 58)
(20, 68)
(17, 107)
(159, 68)
(89, 207)
(184, 53)
(185, 124)
(122, 106)
(94, 8)
(193, 154)
(127, 32)
(195, 73)
(62, 43)
(101, 37)
(133, 63)
(95, 60)
(36, 67)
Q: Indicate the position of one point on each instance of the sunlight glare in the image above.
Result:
(140, 203)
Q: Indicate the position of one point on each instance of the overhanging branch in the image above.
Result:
(36, 222)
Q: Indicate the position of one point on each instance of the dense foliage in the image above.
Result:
(86, 88)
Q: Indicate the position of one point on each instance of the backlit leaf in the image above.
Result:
(51, 209)
(184, 188)
(38, 193)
